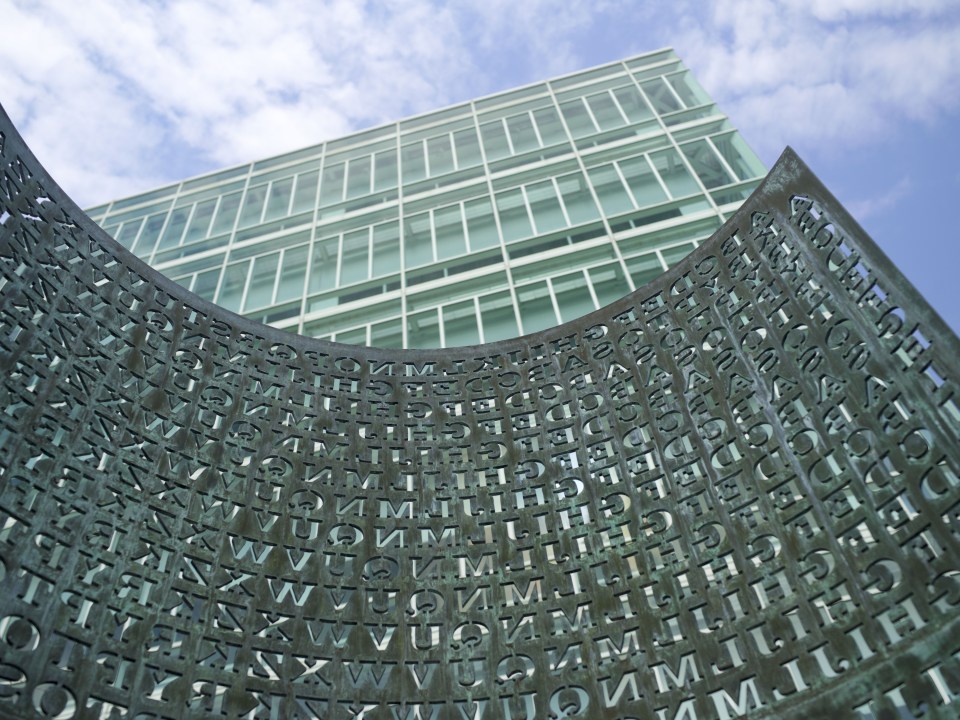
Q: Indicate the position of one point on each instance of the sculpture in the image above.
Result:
(734, 491)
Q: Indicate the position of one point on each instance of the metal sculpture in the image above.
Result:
(733, 492)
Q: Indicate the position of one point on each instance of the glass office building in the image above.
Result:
(478, 222)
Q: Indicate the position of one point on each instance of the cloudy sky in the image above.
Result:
(117, 96)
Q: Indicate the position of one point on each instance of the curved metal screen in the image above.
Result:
(733, 492)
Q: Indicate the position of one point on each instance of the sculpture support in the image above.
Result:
(734, 491)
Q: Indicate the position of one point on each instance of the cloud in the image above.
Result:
(832, 71)
(863, 210)
(125, 95)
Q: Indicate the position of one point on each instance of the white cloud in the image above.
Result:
(867, 208)
(837, 71)
(119, 96)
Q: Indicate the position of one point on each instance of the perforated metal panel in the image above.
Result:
(733, 492)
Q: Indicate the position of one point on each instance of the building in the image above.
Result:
(475, 223)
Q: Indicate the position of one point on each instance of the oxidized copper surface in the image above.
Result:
(732, 492)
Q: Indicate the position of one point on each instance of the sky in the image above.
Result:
(119, 96)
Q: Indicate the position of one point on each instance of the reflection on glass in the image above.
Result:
(481, 225)
(354, 257)
(460, 324)
(386, 248)
(578, 120)
(291, 273)
(226, 214)
(412, 163)
(706, 164)
(609, 283)
(262, 279)
(231, 291)
(423, 329)
(674, 173)
(642, 181)
(499, 320)
(323, 269)
(439, 155)
(545, 207)
(536, 308)
(417, 243)
(573, 296)
(577, 198)
(494, 140)
(514, 221)
(449, 232)
(644, 268)
(613, 196)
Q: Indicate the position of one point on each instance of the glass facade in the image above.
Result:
(471, 224)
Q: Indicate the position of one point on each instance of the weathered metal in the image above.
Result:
(734, 491)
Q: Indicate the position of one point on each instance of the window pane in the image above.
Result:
(149, 234)
(577, 118)
(291, 276)
(323, 270)
(675, 254)
(423, 330)
(128, 233)
(547, 214)
(613, 196)
(305, 195)
(643, 183)
(279, 201)
(605, 111)
(573, 297)
(253, 205)
(386, 170)
(331, 188)
(231, 291)
(226, 214)
(514, 221)
(536, 309)
(481, 225)
(386, 248)
(499, 321)
(440, 155)
(633, 104)
(206, 284)
(688, 89)
(449, 231)
(660, 95)
(549, 125)
(609, 283)
(494, 140)
(260, 292)
(412, 163)
(174, 229)
(577, 198)
(353, 263)
(356, 336)
(199, 223)
(468, 148)
(387, 334)
(706, 164)
(460, 324)
(674, 173)
(522, 134)
(739, 156)
(644, 268)
(417, 244)
(358, 177)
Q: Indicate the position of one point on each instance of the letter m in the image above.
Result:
(665, 674)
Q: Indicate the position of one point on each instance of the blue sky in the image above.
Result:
(116, 96)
